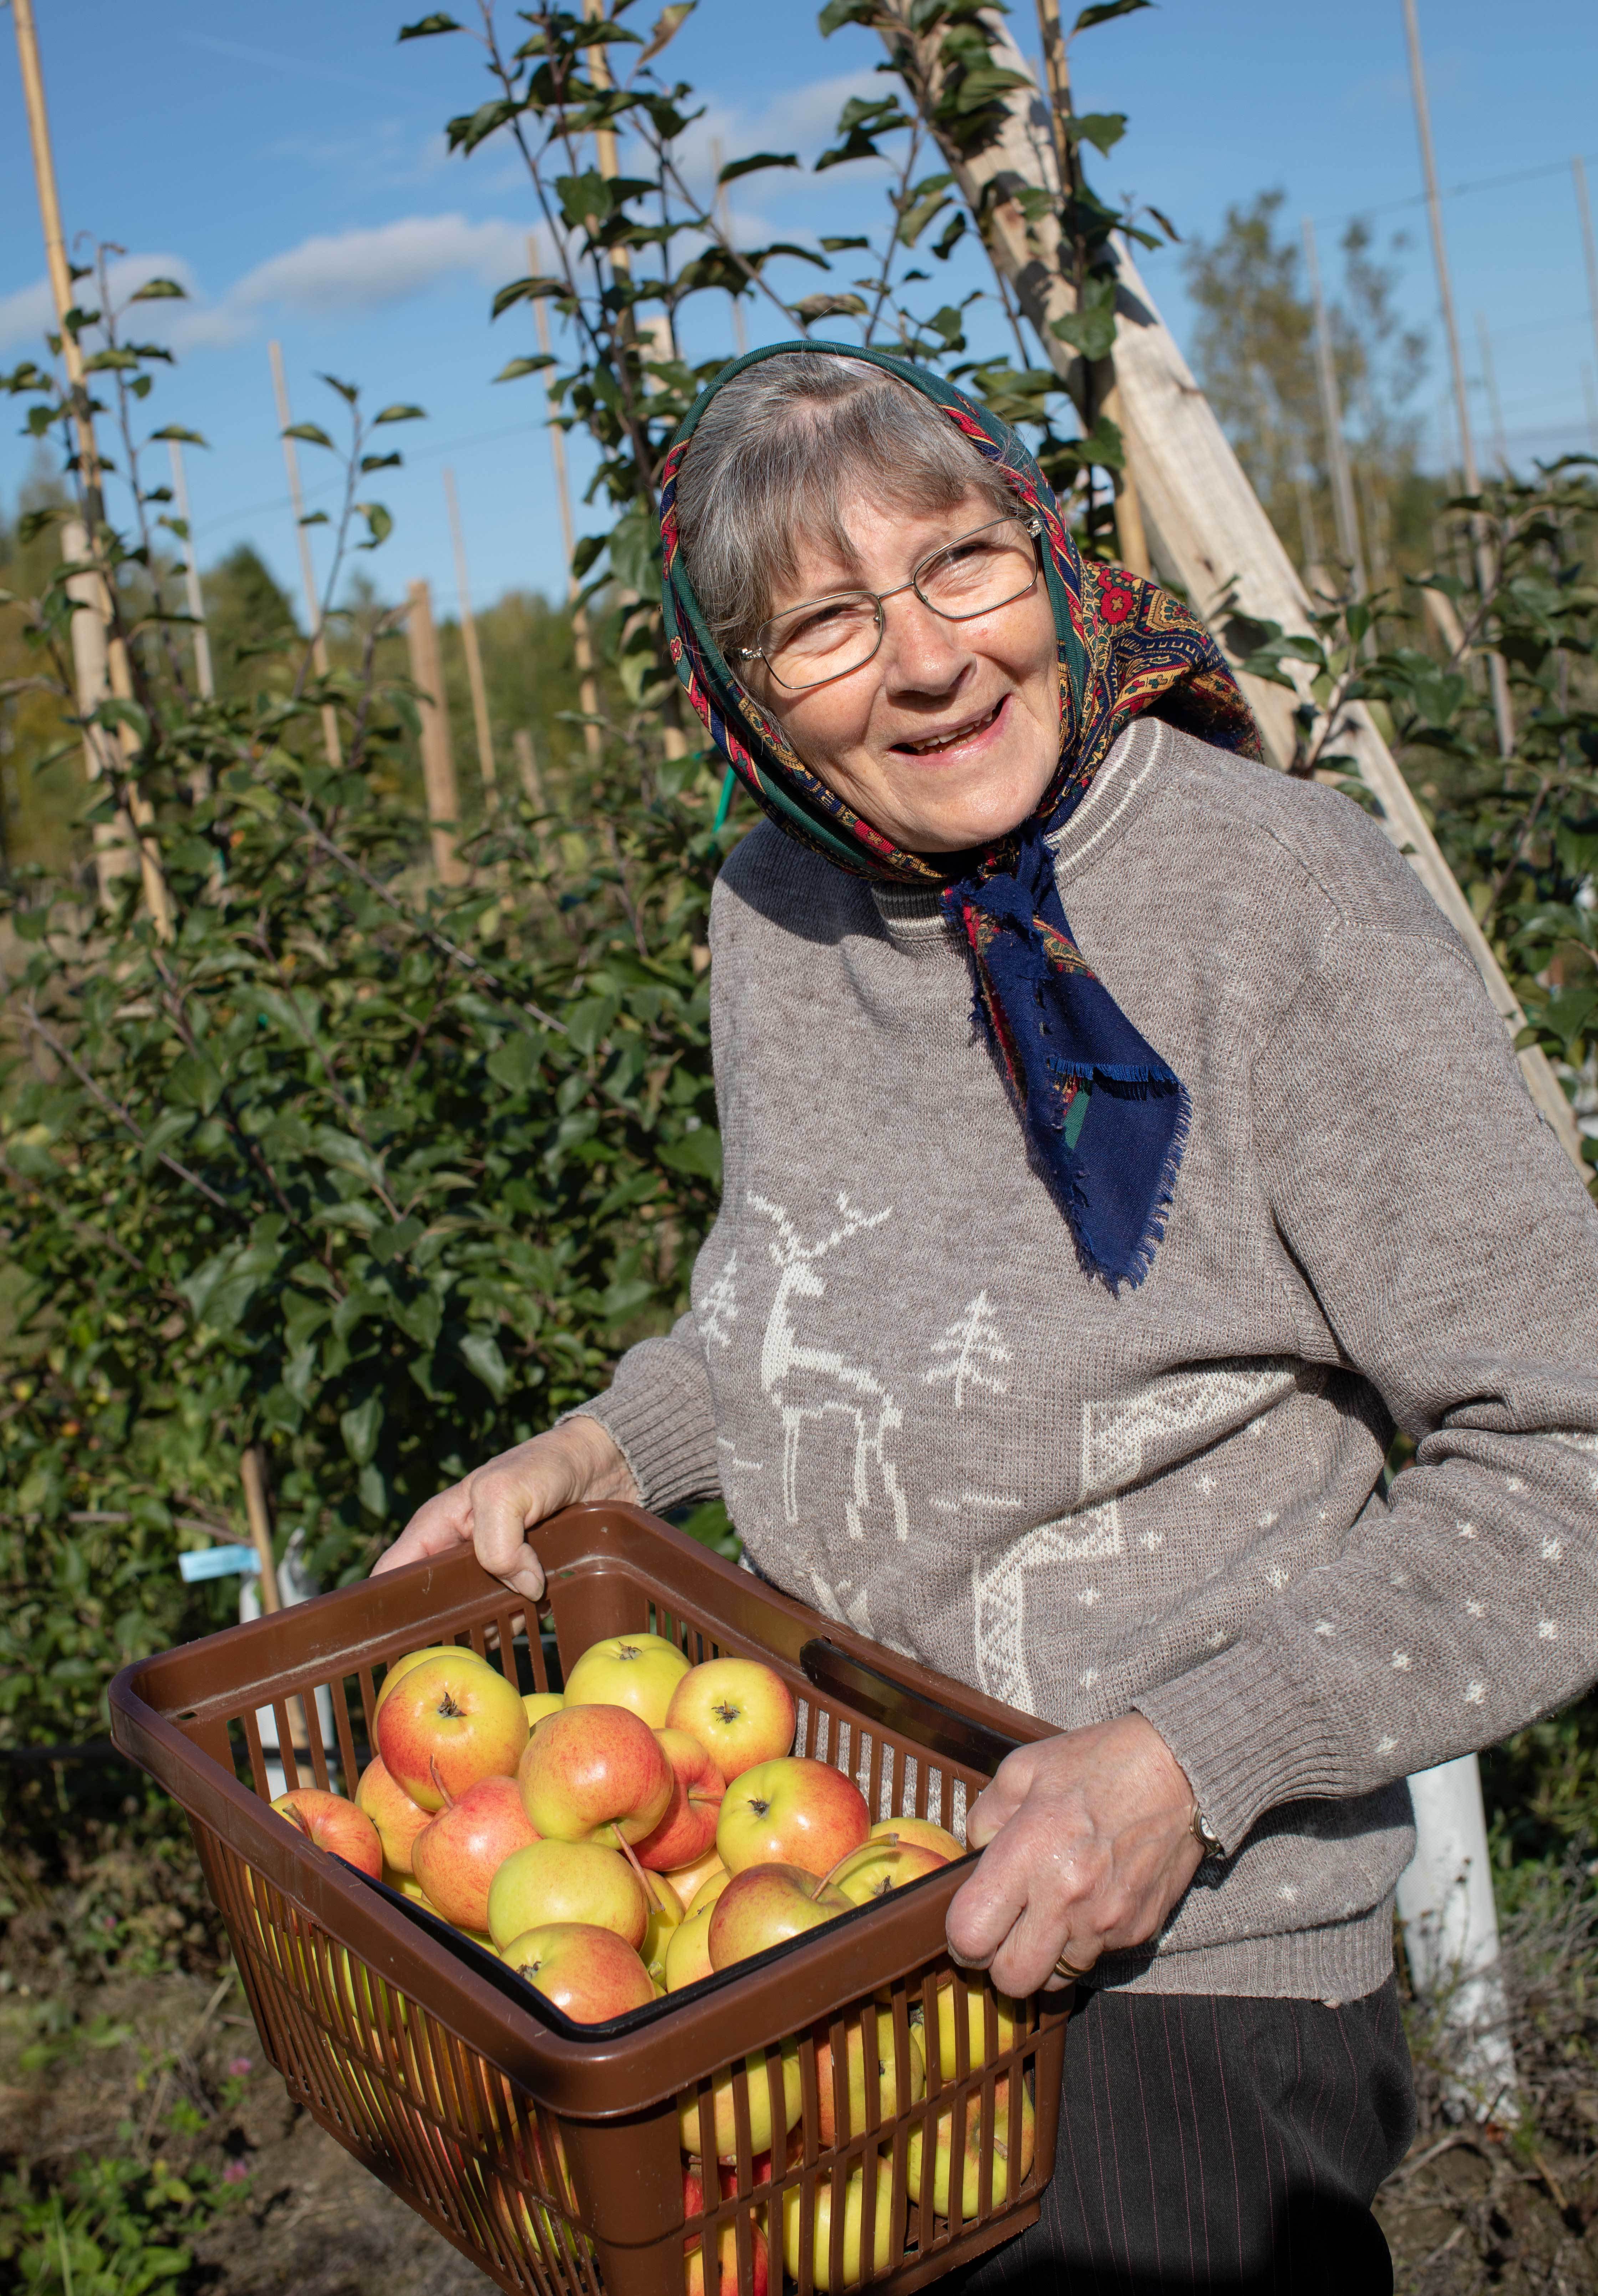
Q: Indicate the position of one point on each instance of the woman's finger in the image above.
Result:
(1025, 1962)
(444, 1521)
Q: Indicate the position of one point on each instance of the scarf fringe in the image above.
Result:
(1154, 1234)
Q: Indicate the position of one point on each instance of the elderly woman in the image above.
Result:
(1071, 1278)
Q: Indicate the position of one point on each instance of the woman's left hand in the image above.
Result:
(1085, 1850)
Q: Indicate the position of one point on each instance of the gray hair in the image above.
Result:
(776, 454)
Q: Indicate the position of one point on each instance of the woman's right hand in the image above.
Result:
(494, 1507)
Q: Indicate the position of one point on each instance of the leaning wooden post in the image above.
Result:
(527, 766)
(1331, 421)
(438, 754)
(116, 843)
(308, 572)
(108, 648)
(581, 645)
(474, 660)
(253, 1474)
(191, 575)
(1208, 530)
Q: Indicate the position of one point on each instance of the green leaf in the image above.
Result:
(669, 23)
(183, 437)
(360, 1427)
(755, 162)
(426, 26)
(837, 13)
(1106, 11)
(400, 414)
(515, 369)
(312, 434)
(697, 1152)
(479, 1352)
(379, 525)
(515, 1063)
(1102, 129)
(159, 290)
(526, 290)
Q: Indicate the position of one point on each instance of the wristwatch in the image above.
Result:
(1205, 1834)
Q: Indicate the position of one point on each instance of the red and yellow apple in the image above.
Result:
(595, 1774)
(792, 1811)
(854, 2227)
(401, 1667)
(726, 2247)
(741, 1712)
(448, 1723)
(397, 1818)
(922, 1833)
(687, 1831)
(334, 1825)
(589, 1973)
(638, 1671)
(970, 2176)
(457, 1854)
(882, 1865)
(566, 1881)
(765, 1905)
(688, 1881)
(723, 2125)
(857, 2104)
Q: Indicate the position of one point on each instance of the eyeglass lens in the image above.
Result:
(976, 573)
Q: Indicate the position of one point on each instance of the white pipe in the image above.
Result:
(1451, 1934)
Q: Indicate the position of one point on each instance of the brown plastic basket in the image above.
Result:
(549, 2152)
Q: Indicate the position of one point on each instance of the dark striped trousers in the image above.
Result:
(1225, 2145)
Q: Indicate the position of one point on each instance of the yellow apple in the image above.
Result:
(639, 1671)
(708, 1890)
(567, 1881)
(401, 1667)
(854, 2214)
(970, 2178)
(882, 1865)
(687, 1955)
(759, 2105)
(923, 1833)
(738, 1709)
(665, 1916)
(976, 2025)
(537, 1703)
(688, 1881)
(857, 2104)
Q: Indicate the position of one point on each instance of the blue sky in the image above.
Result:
(287, 161)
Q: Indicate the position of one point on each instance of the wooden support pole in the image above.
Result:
(1589, 247)
(190, 574)
(438, 753)
(308, 571)
(719, 193)
(1207, 529)
(1331, 420)
(1485, 571)
(252, 1472)
(527, 766)
(474, 660)
(107, 654)
(116, 844)
(581, 644)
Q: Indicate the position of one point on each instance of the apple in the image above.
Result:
(537, 1703)
(710, 1890)
(976, 2024)
(923, 1833)
(590, 1973)
(639, 1671)
(792, 1811)
(665, 1916)
(766, 1903)
(567, 1881)
(450, 1722)
(854, 2214)
(687, 1955)
(856, 2107)
(401, 1667)
(687, 1831)
(457, 1854)
(726, 2246)
(334, 1825)
(881, 1866)
(397, 1818)
(687, 1881)
(970, 2178)
(724, 2132)
(595, 1774)
(741, 1712)
(408, 1886)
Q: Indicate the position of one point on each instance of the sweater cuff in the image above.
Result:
(657, 1412)
(1249, 1738)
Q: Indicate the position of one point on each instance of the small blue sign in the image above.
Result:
(218, 1562)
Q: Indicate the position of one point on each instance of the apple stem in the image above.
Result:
(628, 1852)
(432, 1764)
(866, 1848)
(297, 1816)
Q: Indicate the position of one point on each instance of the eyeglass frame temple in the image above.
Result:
(1032, 526)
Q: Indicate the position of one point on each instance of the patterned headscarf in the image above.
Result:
(1105, 1119)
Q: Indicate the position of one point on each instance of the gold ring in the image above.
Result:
(1063, 1968)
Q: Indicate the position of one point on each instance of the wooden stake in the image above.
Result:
(438, 753)
(1485, 570)
(1589, 247)
(115, 843)
(190, 570)
(1332, 419)
(308, 572)
(581, 645)
(252, 1470)
(474, 660)
(110, 649)
(719, 194)
(1205, 524)
(527, 766)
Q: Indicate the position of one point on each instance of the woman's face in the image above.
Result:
(948, 737)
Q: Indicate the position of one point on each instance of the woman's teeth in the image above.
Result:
(946, 740)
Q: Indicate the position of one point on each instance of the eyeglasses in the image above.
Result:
(825, 638)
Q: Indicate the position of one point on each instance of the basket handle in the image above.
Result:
(909, 1712)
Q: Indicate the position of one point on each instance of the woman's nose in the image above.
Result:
(922, 654)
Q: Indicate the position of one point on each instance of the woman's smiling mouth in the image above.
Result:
(970, 731)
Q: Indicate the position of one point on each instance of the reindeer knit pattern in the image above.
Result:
(929, 1421)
